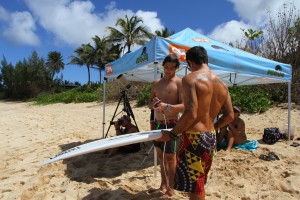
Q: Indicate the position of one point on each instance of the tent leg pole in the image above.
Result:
(103, 115)
(155, 153)
(155, 163)
(289, 109)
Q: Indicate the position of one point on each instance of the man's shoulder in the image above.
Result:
(156, 81)
(178, 79)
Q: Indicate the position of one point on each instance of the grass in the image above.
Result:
(70, 96)
(85, 93)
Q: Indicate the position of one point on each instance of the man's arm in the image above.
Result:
(228, 113)
(118, 129)
(177, 108)
(190, 106)
(152, 97)
(240, 129)
(133, 129)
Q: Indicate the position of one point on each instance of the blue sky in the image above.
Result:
(63, 25)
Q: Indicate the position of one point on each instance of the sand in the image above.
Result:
(31, 134)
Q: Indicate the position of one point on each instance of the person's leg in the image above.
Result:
(230, 140)
(170, 165)
(220, 136)
(239, 138)
(163, 185)
(197, 197)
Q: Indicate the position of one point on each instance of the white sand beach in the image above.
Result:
(31, 134)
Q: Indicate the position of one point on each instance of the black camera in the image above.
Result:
(119, 122)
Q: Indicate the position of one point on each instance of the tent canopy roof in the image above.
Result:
(232, 65)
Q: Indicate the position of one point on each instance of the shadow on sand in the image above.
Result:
(86, 168)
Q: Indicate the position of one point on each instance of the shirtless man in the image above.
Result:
(234, 132)
(165, 98)
(204, 94)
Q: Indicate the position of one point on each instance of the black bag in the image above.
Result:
(271, 135)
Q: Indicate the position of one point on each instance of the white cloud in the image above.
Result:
(150, 20)
(255, 11)
(229, 32)
(20, 28)
(254, 14)
(75, 22)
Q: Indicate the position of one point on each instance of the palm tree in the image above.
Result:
(105, 52)
(164, 33)
(55, 62)
(131, 32)
(85, 56)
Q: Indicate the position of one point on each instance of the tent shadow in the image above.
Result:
(86, 168)
(260, 141)
(97, 193)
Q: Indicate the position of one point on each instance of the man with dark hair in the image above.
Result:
(204, 94)
(165, 99)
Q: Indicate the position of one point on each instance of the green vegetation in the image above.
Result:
(70, 96)
(251, 99)
(88, 93)
(144, 95)
(85, 93)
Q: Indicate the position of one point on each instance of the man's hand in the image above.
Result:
(117, 125)
(165, 136)
(155, 101)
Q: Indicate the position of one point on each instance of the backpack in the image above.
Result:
(271, 135)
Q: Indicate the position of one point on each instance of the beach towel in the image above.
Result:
(249, 145)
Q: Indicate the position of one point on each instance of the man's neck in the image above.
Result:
(201, 68)
(169, 77)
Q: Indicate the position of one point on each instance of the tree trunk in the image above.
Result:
(89, 75)
(100, 75)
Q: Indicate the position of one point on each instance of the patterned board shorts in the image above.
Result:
(194, 160)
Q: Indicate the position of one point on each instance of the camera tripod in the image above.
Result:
(126, 108)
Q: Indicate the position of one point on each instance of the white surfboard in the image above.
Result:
(106, 143)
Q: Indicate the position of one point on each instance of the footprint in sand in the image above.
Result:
(285, 174)
(3, 178)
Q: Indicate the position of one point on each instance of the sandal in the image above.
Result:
(273, 156)
(269, 157)
(295, 144)
(265, 157)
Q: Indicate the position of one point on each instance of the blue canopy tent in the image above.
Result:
(232, 65)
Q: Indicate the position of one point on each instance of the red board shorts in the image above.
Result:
(194, 160)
